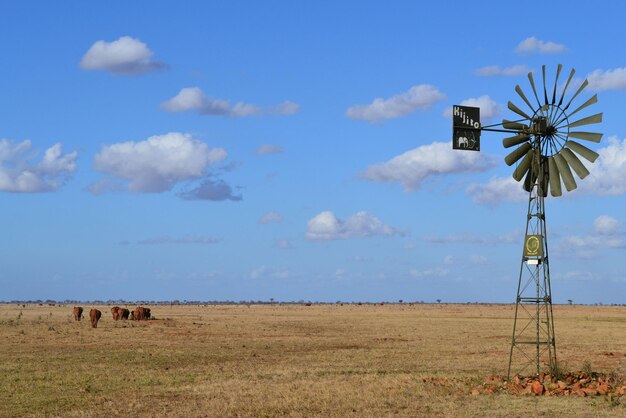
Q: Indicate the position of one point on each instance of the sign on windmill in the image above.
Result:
(532, 246)
(466, 128)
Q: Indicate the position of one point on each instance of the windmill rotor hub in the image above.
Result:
(551, 130)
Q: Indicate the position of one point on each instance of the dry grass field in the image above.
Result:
(289, 360)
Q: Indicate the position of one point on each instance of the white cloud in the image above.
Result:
(422, 96)
(268, 272)
(606, 225)
(283, 244)
(607, 80)
(124, 56)
(413, 167)
(534, 45)
(576, 276)
(488, 107)
(19, 172)
(210, 189)
(268, 149)
(192, 98)
(468, 238)
(479, 260)
(497, 190)
(590, 242)
(606, 233)
(258, 272)
(429, 273)
(571, 242)
(606, 179)
(473, 260)
(495, 70)
(609, 171)
(326, 226)
(280, 274)
(271, 217)
(159, 162)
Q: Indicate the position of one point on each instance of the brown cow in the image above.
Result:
(132, 315)
(78, 313)
(123, 312)
(115, 311)
(141, 313)
(94, 316)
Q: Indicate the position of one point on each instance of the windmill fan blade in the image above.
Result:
(529, 181)
(556, 81)
(582, 86)
(571, 74)
(517, 110)
(587, 136)
(582, 150)
(523, 167)
(515, 140)
(507, 124)
(517, 154)
(545, 93)
(566, 173)
(597, 118)
(574, 162)
(555, 178)
(532, 84)
(521, 94)
(589, 102)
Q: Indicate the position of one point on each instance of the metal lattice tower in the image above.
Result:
(533, 339)
(545, 156)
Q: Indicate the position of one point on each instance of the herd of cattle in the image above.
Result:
(139, 314)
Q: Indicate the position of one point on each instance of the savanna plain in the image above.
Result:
(275, 360)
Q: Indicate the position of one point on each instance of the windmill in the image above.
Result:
(544, 156)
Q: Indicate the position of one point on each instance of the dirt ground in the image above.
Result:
(291, 360)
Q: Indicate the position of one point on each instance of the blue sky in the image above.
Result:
(257, 150)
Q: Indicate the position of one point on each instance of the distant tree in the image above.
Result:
(570, 301)
(438, 300)
(400, 301)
